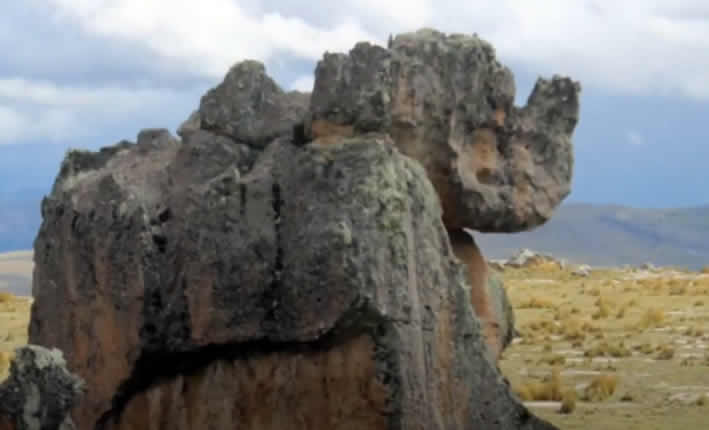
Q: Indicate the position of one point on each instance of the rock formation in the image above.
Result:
(448, 103)
(39, 392)
(294, 266)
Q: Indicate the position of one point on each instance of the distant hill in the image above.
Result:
(614, 235)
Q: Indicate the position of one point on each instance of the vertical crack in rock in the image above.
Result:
(270, 296)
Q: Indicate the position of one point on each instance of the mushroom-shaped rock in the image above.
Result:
(249, 107)
(40, 391)
(314, 287)
(448, 103)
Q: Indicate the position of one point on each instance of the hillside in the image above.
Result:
(614, 235)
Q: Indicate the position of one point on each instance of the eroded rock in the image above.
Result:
(40, 391)
(237, 275)
(448, 103)
(249, 107)
(488, 296)
(315, 285)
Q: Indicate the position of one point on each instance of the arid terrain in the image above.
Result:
(622, 349)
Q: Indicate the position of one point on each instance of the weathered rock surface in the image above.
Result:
(320, 267)
(488, 296)
(249, 107)
(238, 276)
(503, 309)
(448, 103)
(39, 393)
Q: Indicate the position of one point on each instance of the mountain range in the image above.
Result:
(610, 235)
(602, 235)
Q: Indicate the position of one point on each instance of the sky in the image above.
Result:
(88, 73)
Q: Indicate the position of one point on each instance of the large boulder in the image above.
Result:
(448, 103)
(40, 391)
(237, 275)
(316, 288)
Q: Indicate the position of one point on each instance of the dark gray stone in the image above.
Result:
(173, 258)
(40, 391)
(250, 108)
(447, 102)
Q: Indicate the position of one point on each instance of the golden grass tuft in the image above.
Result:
(568, 402)
(645, 348)
(548, 390)
(705, 270)
(5, 359)
(602, 312)
(621, 313)
(605, 349)
(665, 352)
(537, 303)
(601, 388)
(553, 360)
(703, 400)
(652, 318)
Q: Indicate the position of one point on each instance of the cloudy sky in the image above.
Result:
(87, 73)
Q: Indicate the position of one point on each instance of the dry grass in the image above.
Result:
(665, 352)
(548, 390)
(601, 388)
(5, 359)
(650, 332)
(538, 303)
(652, 318)
(604, 349)
(568, 402)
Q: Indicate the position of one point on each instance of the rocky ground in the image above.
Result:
(630, 346)
(623, 348)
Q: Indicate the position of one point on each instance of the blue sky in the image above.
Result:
(87, 73)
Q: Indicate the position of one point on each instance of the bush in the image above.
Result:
(568, 402)
(601, 388)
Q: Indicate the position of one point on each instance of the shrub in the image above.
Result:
(601, 388)
(665, 352)
(568, 402)
(652, 318)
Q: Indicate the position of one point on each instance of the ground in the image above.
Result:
(626, 348)
(630, 345)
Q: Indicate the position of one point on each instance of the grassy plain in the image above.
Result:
(620, 349)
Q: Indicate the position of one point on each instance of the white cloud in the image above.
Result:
(50, 124)
(43, 110)
(303, 83)
(634, 138)
(642, 46)
(210, 36)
